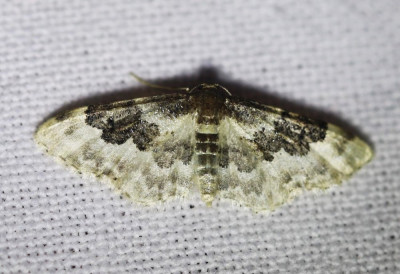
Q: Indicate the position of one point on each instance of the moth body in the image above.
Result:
(209, 105)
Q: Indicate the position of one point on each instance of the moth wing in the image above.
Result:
(269, 156)
(149, 160)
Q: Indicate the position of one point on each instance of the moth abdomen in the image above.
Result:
(206, 151)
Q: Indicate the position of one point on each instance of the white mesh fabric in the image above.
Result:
(336, 59)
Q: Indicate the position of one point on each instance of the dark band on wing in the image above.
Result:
(244, 111)
(293, 133)
(126, 121)
(168, 152)
(120, 125)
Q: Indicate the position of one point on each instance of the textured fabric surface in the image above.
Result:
(337, 60)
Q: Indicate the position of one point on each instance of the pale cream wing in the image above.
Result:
(270, 156)
(143, 147)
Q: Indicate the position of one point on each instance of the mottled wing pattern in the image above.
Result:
(142, 147)
(268, 156)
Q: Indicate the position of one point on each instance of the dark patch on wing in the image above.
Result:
(91, 154)
(243, 159)
(122, 120)
(167, 152)
(64, 115)
(268, 144)
(159, 186)
(254, 186)
(70, 130)
(293, 133)
(241, 154)
(245, 111)
(173, 108)
(118, 125)
(224, 157)
(285, 177)
(342, 146)
(300, 127)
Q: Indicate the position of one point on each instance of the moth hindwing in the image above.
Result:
(157, 148)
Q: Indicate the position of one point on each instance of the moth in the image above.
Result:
(203, 140)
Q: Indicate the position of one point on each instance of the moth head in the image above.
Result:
(214, 89)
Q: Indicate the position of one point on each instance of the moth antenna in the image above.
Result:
(225, 89)
(144, 82)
